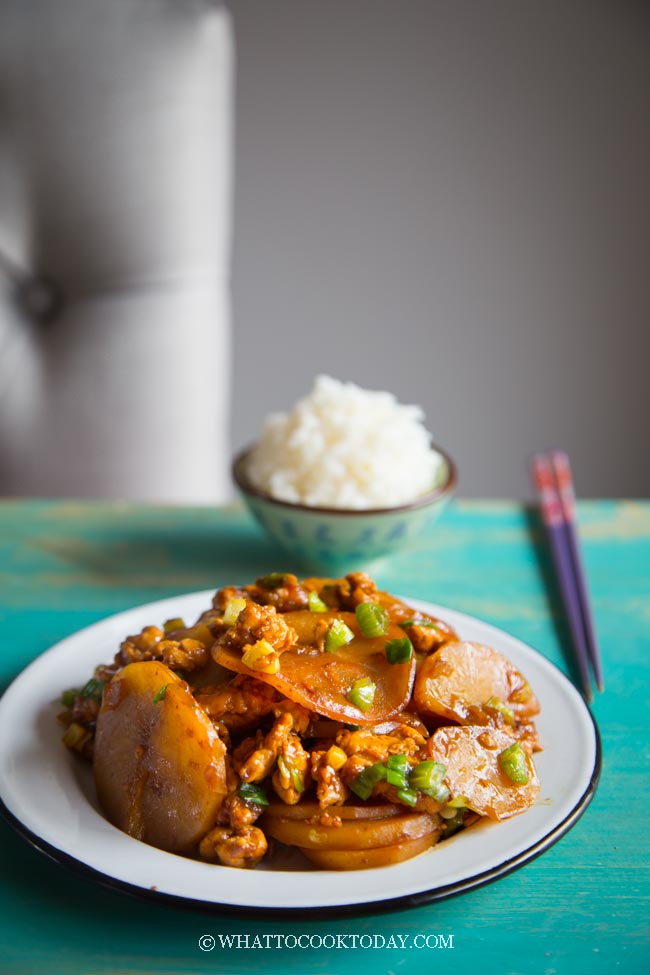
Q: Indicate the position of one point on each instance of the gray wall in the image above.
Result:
(450, 201)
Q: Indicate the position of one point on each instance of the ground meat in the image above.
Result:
(293, 770)
(185, 655)
(85, 710)
(150, 644)
(261, 759)
(239, 703)
(377, 748)
(284, 592)
(141, 646)
(426, 639)
(281, 590)
(234, 849)
(223, 596)
(238, 813)
(330, 788)
(357, 587)
(524, 731)
(244, 700)
(256, 623)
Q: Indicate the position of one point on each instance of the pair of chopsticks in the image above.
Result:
(551, 476)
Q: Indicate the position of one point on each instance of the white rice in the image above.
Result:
(346, 447)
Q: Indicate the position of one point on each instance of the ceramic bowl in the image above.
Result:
(334, 541)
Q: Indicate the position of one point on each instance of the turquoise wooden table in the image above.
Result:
(580, 907)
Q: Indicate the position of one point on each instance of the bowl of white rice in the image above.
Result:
(346, 477)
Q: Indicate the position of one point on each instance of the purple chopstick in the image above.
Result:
(542, 476)
(564, 480)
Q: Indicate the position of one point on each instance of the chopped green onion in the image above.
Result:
(338, 635)
(397, 770)
(297, 780)
(362, 693)
(253, 793)
(460, 802)
(448, 812)
(512, 761)
(372, 619)
(294, 774)
(409, 796)
(399, 651)
(176, 624)
(427, 778)
(441, 794)
(161, 693)
(233, 608)
(92, 688)
(497, 705)
(453, 825)
(367, 779)
(68, 697)
(426, 623)
(316, 604)
(397, 778)
(272, 581)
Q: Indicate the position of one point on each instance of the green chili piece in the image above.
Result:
(372, 619)
(512, 762)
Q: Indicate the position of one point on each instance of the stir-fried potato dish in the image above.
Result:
(320, 714)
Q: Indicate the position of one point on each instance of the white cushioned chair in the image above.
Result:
(115, 171)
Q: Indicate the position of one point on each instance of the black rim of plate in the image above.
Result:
(418, 899)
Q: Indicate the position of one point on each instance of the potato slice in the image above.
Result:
(380, 856)
(159, 762)
(321, 680)
(307, 810)
(352, 834)
(461, 676)
(471, 755)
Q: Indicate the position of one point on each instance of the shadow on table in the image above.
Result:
(537, 536)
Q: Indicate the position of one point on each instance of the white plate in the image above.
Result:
(48, 795)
